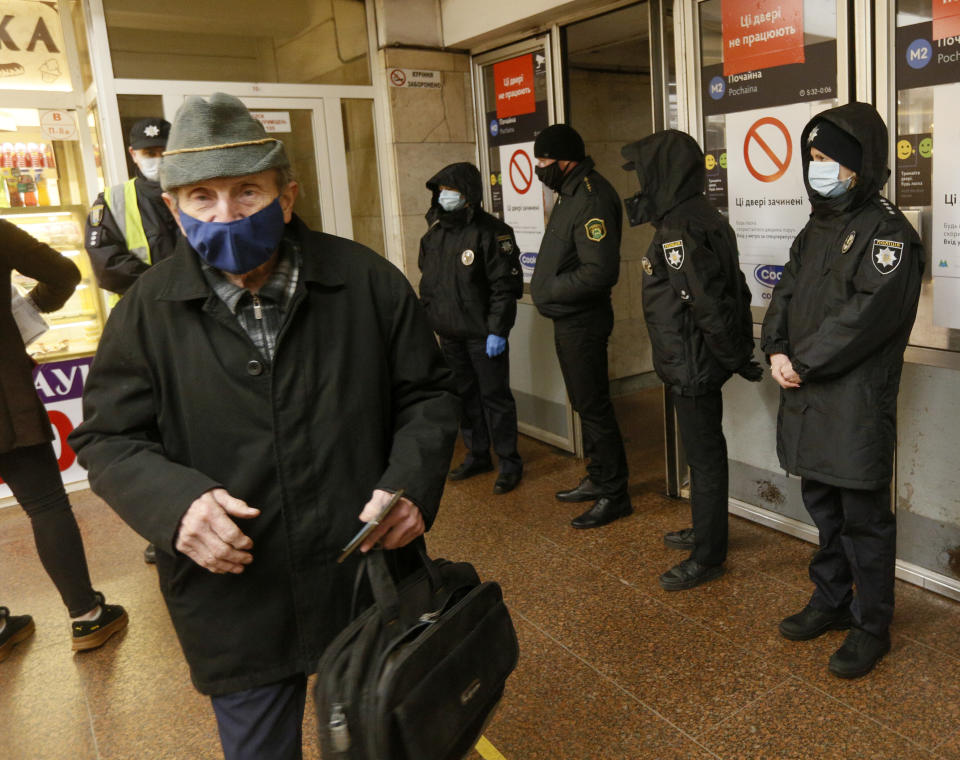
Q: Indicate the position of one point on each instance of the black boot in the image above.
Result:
(469, 468)
(680, 539)
(586, 491)
(604, 511)
(859, 653)
(688, 574)
(507, 481)
(811, 622)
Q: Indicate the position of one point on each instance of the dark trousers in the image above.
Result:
(581, 342)
(263, 723)
(700, 419)
(489, 413)
(858, 547)
(34, 477)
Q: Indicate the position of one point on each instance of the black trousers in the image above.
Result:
(581, 342)
(700, 419)
(34, 477)
(858, 547)
(489, 413)
(263, 723)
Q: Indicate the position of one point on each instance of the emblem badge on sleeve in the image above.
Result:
(647, 266)
(673, 253)
(886, 255)
(596, 230)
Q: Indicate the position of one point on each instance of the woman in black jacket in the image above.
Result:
(835, 332)
(28, 463)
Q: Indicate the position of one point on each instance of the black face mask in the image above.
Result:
(637, 211)
(551, 176)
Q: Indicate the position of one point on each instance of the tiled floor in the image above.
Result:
(612, 667)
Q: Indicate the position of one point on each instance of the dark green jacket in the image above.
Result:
(843, 312)
(356, 398)
(579, 258)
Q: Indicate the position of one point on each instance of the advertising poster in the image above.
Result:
(32, 53)
(60, 387)
(716, 165)
(761, 35)
(767, 198)
(914, 169)
(945, 245)
(522, 202)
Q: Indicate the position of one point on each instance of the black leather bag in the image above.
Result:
(417, 675)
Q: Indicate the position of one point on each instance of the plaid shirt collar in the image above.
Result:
(280, 288)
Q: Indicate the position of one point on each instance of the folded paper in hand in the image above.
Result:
(27, 316)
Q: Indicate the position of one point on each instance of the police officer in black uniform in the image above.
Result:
(835, 333)
(578, 264)
(469, 287)
(129, 228)
(697, 307)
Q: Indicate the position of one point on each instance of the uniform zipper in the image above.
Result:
(257, 310)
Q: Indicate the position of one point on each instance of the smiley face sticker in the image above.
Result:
(925, 149)
(904, 149)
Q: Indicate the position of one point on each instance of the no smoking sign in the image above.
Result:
(767, 149)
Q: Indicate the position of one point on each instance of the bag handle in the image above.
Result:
(384, 588)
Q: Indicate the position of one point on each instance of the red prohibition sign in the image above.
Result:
(398, 78)
(781, 164)
(521, 177)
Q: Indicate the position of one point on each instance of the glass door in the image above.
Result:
(514, 104)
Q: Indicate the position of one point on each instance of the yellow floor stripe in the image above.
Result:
(487, 750)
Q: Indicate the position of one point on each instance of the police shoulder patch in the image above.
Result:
(673, 253)
(886, 255)
(596, 229)
(506, 244)
(647, 266)
(96, 215)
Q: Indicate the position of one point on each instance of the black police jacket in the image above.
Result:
(114, 266)
(695, 298)
(843, 312)
(579, 258)
(469, 262)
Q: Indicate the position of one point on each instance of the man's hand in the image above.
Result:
(783, 372)
(210, 538)
(399, 528)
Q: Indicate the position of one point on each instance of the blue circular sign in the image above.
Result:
(919, 54)
(494, 128)
(717, 87)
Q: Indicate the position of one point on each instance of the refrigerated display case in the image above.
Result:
(42, 192)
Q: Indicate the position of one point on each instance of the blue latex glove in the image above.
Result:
(495, 345)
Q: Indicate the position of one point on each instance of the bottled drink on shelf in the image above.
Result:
(43, 193)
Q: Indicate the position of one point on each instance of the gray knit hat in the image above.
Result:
(217, 138)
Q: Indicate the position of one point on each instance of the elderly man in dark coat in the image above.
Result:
(255, 396)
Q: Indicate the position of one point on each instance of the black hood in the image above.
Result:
(670, 167)
(862, 122)
(463, 177)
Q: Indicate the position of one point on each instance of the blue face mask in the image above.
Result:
(824, 177)
(239, 246)
(451, 200)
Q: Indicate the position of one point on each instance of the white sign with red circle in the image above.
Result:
(767, 197)
(523, 207)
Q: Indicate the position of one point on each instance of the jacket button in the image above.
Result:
(254, 367)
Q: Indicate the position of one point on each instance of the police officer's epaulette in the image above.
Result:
(586, 184)
(887, 206)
